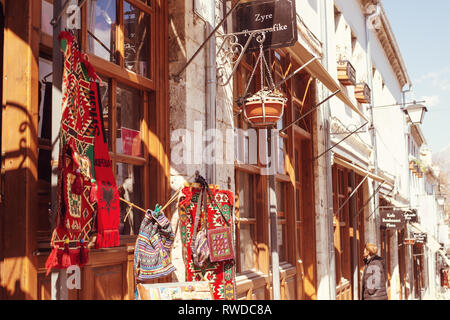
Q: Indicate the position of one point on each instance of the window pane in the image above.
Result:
(297, 166)
(46, 17)
(45, 98)
(147, 2)
(129, 179)
(44, 118)
(281, 154)
(105, 88)
(247, 254)
(129, 117)
(280, 199)
(282, 242)
(102, 28)
(298, 205)
(137, 39)
(246, 194)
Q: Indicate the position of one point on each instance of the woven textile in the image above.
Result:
(107, 195)
(152, 253)
(80, 133)
(220, 274)
(75, 170)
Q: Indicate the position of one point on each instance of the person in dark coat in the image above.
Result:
(374, 275)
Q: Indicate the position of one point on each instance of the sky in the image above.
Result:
(422, 31)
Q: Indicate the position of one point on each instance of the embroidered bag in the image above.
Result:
(220, 241)
(200, 249)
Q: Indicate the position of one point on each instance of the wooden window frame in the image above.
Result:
(150, 89)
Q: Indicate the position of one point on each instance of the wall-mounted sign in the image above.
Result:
(410, 215)
(278, 15)
(392, 219)
(420, 237)
(409, 241)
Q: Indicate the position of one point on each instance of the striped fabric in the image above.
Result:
(152, 253)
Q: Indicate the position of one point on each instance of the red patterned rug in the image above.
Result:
(81, 141)
(220, 274)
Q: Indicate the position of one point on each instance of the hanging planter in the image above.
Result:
(264, 108)
(346, 73)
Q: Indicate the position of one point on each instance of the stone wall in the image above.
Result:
(189, 150)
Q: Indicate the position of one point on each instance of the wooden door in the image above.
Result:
(342, 243)
(305, 223)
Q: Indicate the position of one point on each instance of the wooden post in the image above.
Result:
(273, 147)
(18, 267)
(58, 288)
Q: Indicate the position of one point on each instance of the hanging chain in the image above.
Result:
(251, 76)
(260, 39)
(261, 75)
(272, 83)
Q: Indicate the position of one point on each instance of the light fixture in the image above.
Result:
(416, 112)
(440, 200)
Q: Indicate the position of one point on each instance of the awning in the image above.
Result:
(358, 170)
(393, 202)
(316, 69)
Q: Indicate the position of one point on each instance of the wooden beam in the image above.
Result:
(18, 278)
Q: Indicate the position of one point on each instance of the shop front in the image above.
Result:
(125, 42)
(349, 229)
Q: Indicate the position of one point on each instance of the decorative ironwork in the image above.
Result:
(231, 52)
(348, 129)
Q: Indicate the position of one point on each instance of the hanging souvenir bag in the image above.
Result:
(154, 242)
(220, 241)
(200, 249)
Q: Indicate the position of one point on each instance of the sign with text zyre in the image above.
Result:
(278, 16)
(392, 219)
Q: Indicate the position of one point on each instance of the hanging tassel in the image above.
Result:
(84, 258)
(93, 197)
(52, 260)
(66, 261)
(77, 187)
(107, 239)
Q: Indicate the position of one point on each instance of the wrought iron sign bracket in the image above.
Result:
(229, 49)
(342, 140)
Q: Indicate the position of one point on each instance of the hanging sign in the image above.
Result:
(278, 15)
(411, 215)
(420, 237)
(392, 219)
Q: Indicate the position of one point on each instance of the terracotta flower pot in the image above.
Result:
(264, 110)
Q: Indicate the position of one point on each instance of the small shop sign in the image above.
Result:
(420, 237)
(277, 15)
(392, 219)
(410, 215)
